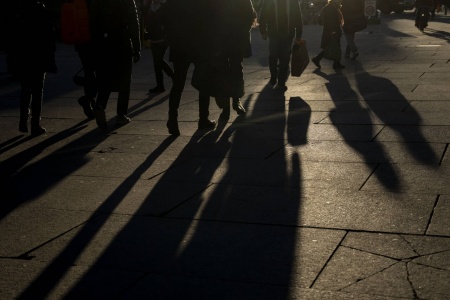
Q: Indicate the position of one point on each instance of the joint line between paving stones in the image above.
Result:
(432, 213)
(371, 275)
(408, 275)
(163, 214)
(379, 132)
(368, 177)
(412, 91)
(25, 255)
(443, 154)
(328, 260)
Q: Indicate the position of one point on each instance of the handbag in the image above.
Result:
(299, 58)
(333, 50)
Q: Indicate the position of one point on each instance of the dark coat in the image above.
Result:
(115, 23)
(332, 20)
(352, 11)
(234, 26)
(189, 29)
(269, 18)
(30, 39)
(153, 21)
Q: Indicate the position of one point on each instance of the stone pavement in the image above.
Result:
(337, 189)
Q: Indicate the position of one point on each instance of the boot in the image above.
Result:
(172, 125)
(36, 128)
(23, 122)
(225, 114)
(237, 106)
(85, 103)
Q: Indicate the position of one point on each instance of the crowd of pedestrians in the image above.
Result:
(214, 36)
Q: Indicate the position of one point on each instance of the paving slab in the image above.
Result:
(335, 189)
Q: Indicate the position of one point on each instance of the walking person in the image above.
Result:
(189, 30)
(332, 23)
(238, 17)
(153, 21)
(280, 21)
(354, 21)
(116, 37)
(30, 24)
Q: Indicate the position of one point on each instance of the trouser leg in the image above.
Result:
(285, 58)
(180, 68)
(124, 86)
(158, 57)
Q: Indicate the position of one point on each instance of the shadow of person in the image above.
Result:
(354, 123)
(406, 121)
(214, 238)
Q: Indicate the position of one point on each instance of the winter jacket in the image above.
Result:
(153, 21)
(31, 39)
(115, 23)
(271, 18)
(352, 11)
(234, 24)
(332, 22)
(190, 28)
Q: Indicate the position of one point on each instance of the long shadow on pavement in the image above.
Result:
(361, 135)
(211, 240)
(405, 123)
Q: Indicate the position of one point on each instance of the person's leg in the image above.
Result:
(165, 66)
(180, 69)
(316, 59)
(37, 89)
(350, 37)
(273, 60)
(203, 106)
(25, 101)
(284, 49)
(86, 55)
(237, 77)
(124, 89)
(158, 57)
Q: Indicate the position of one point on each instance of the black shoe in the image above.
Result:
(338, 66)
(172, 125)
(281, 87)
(23, 125)
(273, 81)
(316, 61)
(206, 124)
(224, 115)
(157, 89)
(85, 103)
(100, 117)
(237, 106)
(37, 129)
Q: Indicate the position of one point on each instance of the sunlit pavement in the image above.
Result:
(338, 188)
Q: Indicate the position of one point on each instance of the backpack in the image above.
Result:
(75, 22)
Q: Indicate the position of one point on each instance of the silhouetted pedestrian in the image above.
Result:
(332, 23)
(153, 21)
(280, 21)
(354, 20)
(30, 26)
(237, 18)
(116, 37)
(189, 30)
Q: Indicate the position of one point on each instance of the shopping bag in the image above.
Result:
(333, 50)
(299, 59)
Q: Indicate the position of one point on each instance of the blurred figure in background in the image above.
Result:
(116, 37)
(153, 22)
(280, 21)
(30, 25)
